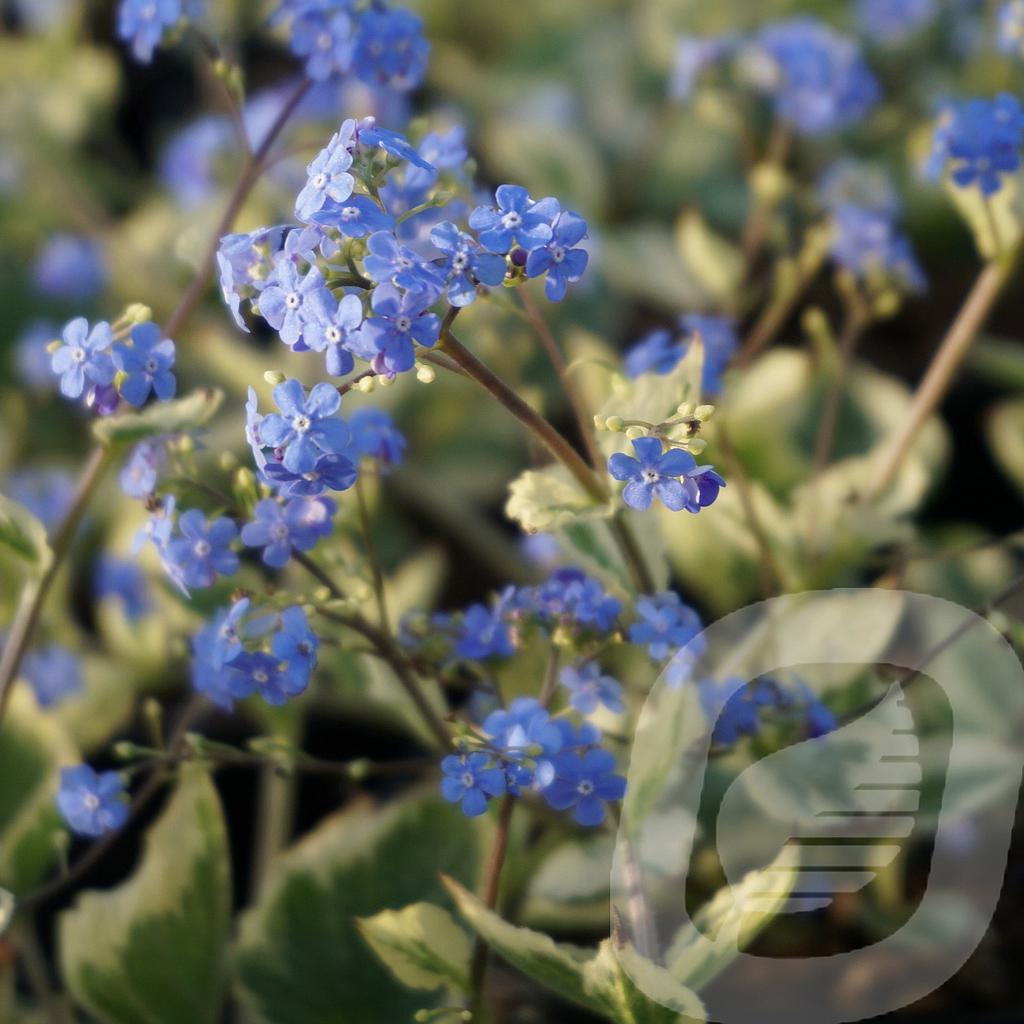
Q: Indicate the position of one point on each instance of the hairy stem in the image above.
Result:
(941, 373)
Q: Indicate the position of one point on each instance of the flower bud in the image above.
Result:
(138, 313)
(384, 380)
(634, 432)
(697, 445)
(274, 377)
(228, 461)
(685, 410)
(704, 412)
(367, 384)
(614, 424)
(600, 423)
(425, 374)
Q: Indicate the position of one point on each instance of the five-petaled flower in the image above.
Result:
(657, 472)
(585, 782)
(516, 220)
(328, 181)
(558, 259)
(306, 426)
(203, 551)
(146, 365)
(84, 356)
(281, 529)
(471, 781)
(387, 339)
(92, 804)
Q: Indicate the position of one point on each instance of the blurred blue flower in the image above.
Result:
(375, 436)
(188, 162)
(70, 268)
(281, 529)
(1011, 28)
(331, 473)
(867, 244)
(471, 781)
(571, 598)
(322, 33)
(53, 673)
(664, 625)
(483, 634)
(45, 492)
(296, 645)
(202, 551)
(390, 48)
(694, 55)
(32, 356)
(91, 804)
(589, 689)
(894, 21)
(142, 469)
(123, 580)
(144, 22)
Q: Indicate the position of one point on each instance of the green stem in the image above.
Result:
(941, 372)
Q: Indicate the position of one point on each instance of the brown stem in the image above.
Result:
(941, 373)
(489, 895)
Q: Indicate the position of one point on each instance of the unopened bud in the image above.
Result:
(138, 313)
(600, 423)
(185, 444)
(615, 424)
(54, 345)
(697, 445)
(228, 461)
(634, 432)
(384, 380)
(367, 384)
(704, 412)
(274, 377)
(425, 374)
(685, 410)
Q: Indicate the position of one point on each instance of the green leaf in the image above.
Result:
(994, 220)
(33, 747)
(597, 981)
(544, 499)
(188, 413)
(299, 956)
(24, 536)
(421, 945)
(728, 920)
(1005, 430)
(644, 261)
(153, 949)
(714, 261)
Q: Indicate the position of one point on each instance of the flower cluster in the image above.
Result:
(146, 23)
(978, 141)
(867, 244)
(242, 652)
(381, 46)
(737, 710)
(522, 748)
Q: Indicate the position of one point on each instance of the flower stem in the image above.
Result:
(489, 895)
(372, 556)
(941, 373)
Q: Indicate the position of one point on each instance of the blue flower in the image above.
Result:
(270, 676)
(563, 264)
(91, 804)
(291, 301)
(850, 182)
(570, 598)
(141, 472)
(664, 625)
(980, 141)
(390, 49)
(525, 732)
(71, 268)
(470, 781)
(189, 162)
(324, 37)
(585, 782)
(387, 260)
(331, 473)
(657, 352)
(144, 22)
(32, 357)
(146, 364)
(333, 334)
(465, 264)
(375, 436)
(308, 426)
(214, 652)
(1011, 28)
(123, 580)
(484, 634)
(280, 529)
(46, 493)
(516, 221)
(328, 181)
(83, 356)
(53, 673)
(386, 339)
(244, 263)
(296, 645)
(356, 217)
(393, 143)
(734, 708)
(720, 340)
(655, 472)
(818, 78)
(226, 641)
(894, 21)
(203, 549)
(588, 689)
(867, 244)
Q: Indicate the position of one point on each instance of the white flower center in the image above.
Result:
(460, 261)
(468, 780)
(151, 366)
(78, 354)
(320, 181)
(585, 788)
(324, 41)
(650, 476)
(260, 676)
(149, 12)
(333, 335)
(512, 219)
(403, 323)
(558, 253)
(301, 424)
(293, 300)
(404, 262)
(279, 532)
(91, 801)
(349, 213)
(201, 548)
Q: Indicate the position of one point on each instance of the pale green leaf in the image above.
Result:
(300, 958)
(545, 499)
(24, 536)
(181, 414)
(714, 261)
(1005, 430)
(153, 949)
(421, 945)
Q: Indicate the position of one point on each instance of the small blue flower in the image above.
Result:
(91, 804)
(664, 625)
(281, 529)
(270, 677)
(202, 552)
(867, 244)
(328, 182)
(483, 635)
(53, 673)
(307, 427)
(146, 364)
(469, 780)
(226, 644)
(46, 493)
(585, 782)
(70, 268)
(894, 21)
(850, 182)
(245, 267)
(390, 49)
(32, 357)
(142, 470)
(589, 689)
(84, 356)
(375, 436)
(465, 264)
(388, 260)
(516, 220)
(720, 340)
(395, 144)
(525, 732)
(657, 352)
(123, 580)
(1011, 28)
(980, 141)
(563, 264)
(324, 37)
(291, 301)
(143, 23)
(734, 708)
(214, 650)
(331, 473)
(818, 78)
(296, 645)
(189, 162)
(357, 217)
(333, 334)
(387, 339)
(655, 472)
(569, 598)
